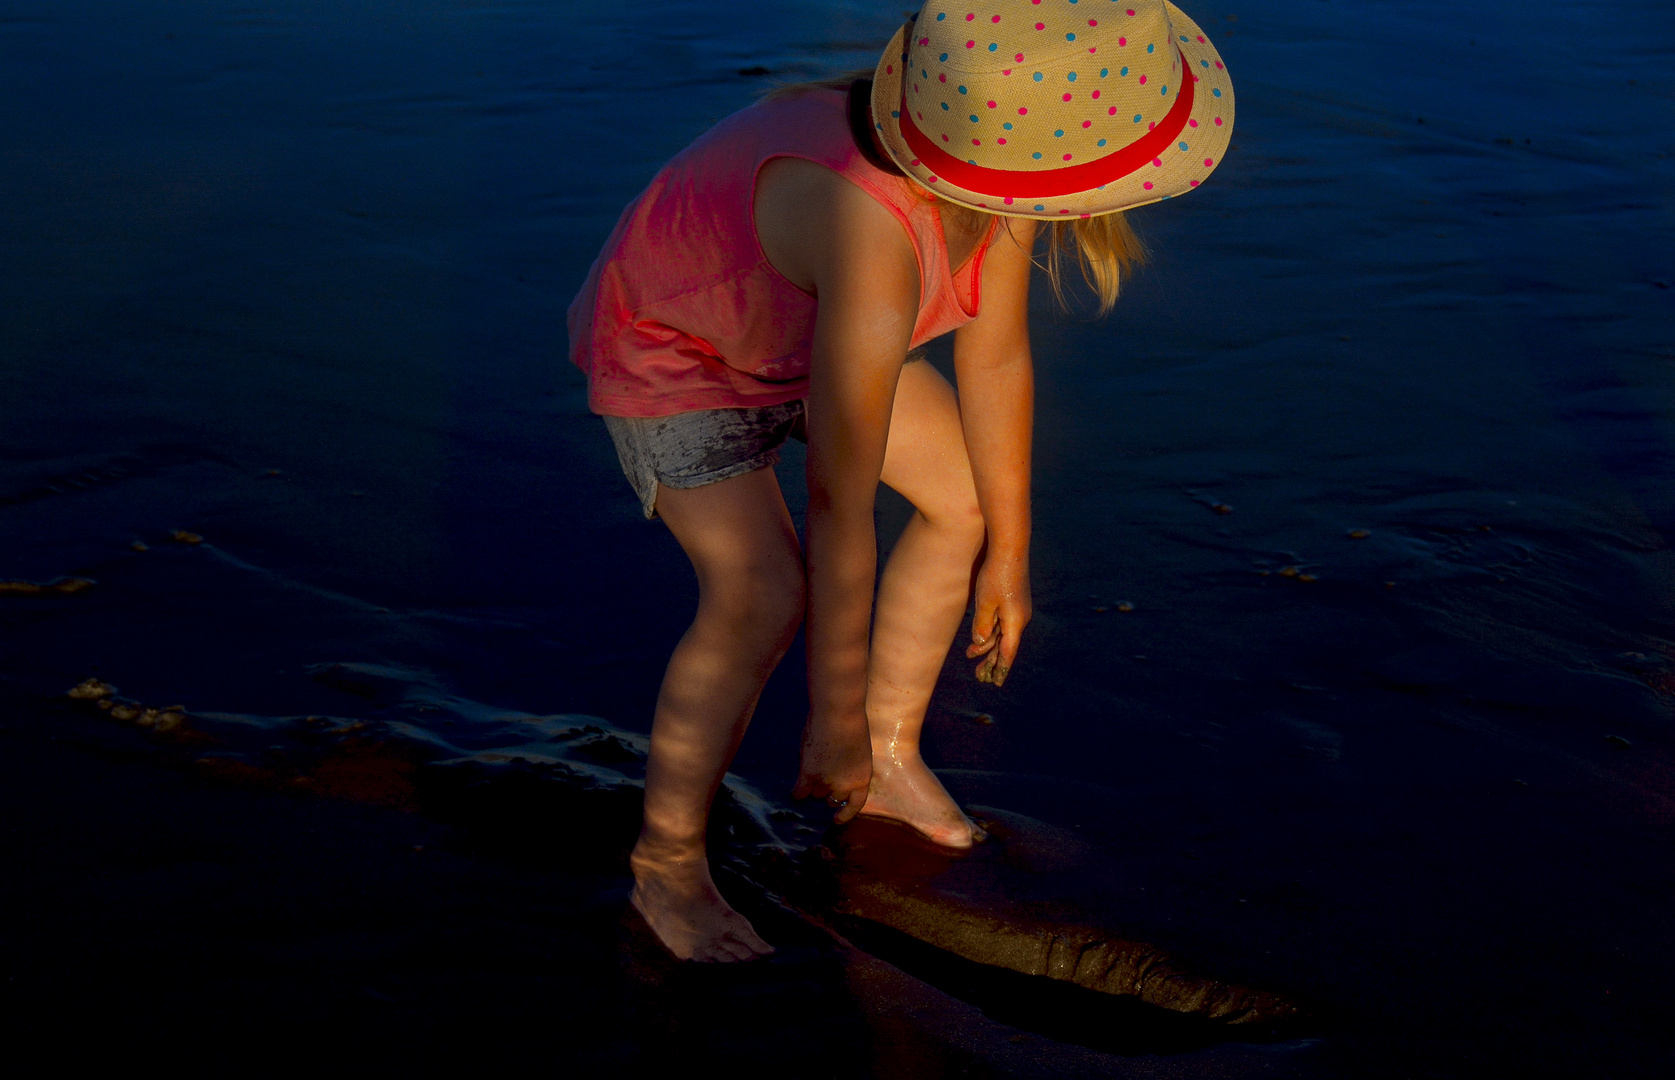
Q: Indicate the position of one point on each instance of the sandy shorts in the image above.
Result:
(691, 449)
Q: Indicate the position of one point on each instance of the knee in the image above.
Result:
(759, 600)
(961, 520)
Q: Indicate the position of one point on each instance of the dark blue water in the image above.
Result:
(292, 276)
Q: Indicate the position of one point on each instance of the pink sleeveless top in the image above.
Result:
(683, 311)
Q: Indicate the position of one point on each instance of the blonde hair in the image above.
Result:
(1104, 248)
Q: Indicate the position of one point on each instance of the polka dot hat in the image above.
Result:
(1053, 108)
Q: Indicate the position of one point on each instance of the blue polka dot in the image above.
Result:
(974, 118)
(895, 114)
(1136, 118)
(943, 58)
(1070, 37)
(1203, 63)
(1007, 125)
(1037, 76)
(1216, 92)
(969, 161)
(1038, 206)
(1183, 146)
(1101, 142)
(1183, 37)
(1164, 91)
(941, 15)
(944, 106)
(993, 46)
(962, 89)
(1071, 76)
(924, 73)
(1124, 71)
(1036, 155)
(1149, 48)
(1104, 72)
(1059, 134)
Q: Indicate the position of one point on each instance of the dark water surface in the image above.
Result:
(292, 276)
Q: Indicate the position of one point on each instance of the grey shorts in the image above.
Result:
(691, 449)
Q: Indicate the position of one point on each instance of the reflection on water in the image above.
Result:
(1353, 648)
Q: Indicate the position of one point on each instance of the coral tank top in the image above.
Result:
(683, 311)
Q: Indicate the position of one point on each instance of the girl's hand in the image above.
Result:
(836, 767)
(1003, 610)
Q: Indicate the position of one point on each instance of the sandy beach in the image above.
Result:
(1353, 668)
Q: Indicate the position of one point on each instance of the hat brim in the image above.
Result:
(1170, 173)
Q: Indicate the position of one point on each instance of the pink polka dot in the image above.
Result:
(1008, 200)
(1142, 80)
(1041, 26)
(1201, 40)
(1218, 121)
(945, 138)
(1122, 41)
(1157, 161)
(915, 161)
(992, 105)
(977, 142)
(1093, 22)
(996, 18)
(1001, 141)
(1067, 97)
(1150, 124)
(1087, 215)
(1093, 48)
(942, 78)
(968, 18)
(1147, 185)
(1087, 123)
(971, 44)
(932, 180)
(1209, 162)
(1194, 183)
(1112, 111)
(1131, 11)
(889, 69)
(1067, 157)
(1219, 67)
(1096, 95)
(1022, 111)
(1035, 1)
(1192, 123)
(1019, 58)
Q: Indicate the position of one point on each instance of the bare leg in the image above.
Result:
(922, 597)
(739, 537)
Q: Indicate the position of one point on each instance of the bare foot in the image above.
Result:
(904, 789)
(687, 912)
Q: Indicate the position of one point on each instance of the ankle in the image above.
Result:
(653, 854)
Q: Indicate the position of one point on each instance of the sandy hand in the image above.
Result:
(1003, 610)
(837, 767)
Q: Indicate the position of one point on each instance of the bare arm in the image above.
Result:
(863, 270)
(997, 407)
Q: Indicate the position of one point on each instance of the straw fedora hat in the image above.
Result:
(1053, 108)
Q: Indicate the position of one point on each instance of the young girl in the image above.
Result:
(773, 282)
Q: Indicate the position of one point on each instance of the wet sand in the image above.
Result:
(1353, 671)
